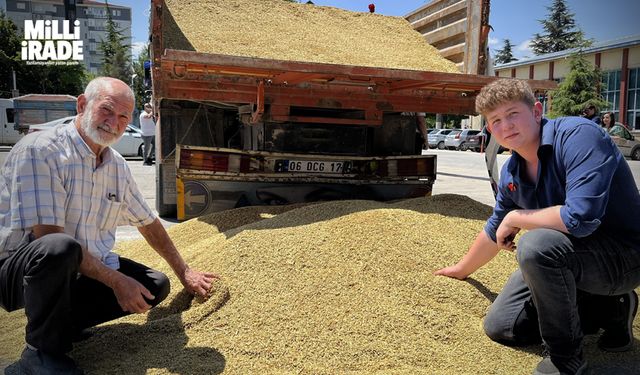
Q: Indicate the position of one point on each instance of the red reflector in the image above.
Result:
(207, 161)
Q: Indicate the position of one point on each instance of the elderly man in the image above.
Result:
(569, 186)
(63, 192)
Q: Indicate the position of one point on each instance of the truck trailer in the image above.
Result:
(240, 130)
(35, 109)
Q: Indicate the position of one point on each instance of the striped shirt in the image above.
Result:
(50, 178)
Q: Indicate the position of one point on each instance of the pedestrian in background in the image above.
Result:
(591, 112)
(608, 120)
(148, 129)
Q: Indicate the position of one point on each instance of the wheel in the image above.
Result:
(141, 150)
(463, 147)
(635, 154)
(441, 146)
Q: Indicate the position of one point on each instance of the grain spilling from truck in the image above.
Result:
(337, 287)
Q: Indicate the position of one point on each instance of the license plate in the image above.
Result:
(313, 166)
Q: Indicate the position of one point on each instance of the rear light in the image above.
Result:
(458, 136)
(213, 161)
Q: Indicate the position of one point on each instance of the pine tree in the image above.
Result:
(578, 89)
(116, 60)
(561, 32)
(505, 55)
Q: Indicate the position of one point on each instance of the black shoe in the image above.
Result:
(618, 333)
(35, 362)
(82, 335)
(561, 366)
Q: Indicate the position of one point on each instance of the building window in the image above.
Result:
(610, 90)
(633, 99)
(21, 6)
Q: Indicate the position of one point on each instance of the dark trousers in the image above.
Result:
(42, 277)
(149, 148)
(565, 287)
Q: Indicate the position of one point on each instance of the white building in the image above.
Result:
(619, 61)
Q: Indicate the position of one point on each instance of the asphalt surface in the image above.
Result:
(458, 172)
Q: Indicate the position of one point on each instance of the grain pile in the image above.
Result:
(277, 29)
(339, 287)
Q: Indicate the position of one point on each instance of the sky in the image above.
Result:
(516, 20)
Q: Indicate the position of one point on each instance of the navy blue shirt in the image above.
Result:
(582, 170)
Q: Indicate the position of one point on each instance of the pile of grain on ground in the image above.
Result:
(277, 29)
(338, 287)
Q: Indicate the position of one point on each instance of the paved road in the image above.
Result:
(458, 172)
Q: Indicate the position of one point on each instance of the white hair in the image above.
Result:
(104, 85)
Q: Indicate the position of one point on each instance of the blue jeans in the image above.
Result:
(563, 285)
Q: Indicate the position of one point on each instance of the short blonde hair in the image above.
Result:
(503, 91)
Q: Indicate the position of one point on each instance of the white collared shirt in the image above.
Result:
(50, 178)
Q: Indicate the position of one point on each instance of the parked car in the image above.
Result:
(436, 138)
(130, 144)
(479, 142)
(625, 141)
(457, 140)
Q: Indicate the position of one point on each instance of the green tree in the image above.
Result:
(139, 89)
(116, 60)
(33, 79)
(9, 50)
(561, 31)
(578, 89)
(505, 55)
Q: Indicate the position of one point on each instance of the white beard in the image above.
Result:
(95, 135)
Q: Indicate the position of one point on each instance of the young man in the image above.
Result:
(63, 192)
(570, 188)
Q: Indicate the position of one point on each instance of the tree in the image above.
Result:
(138, 87)
(505, 55)
(9, 48)
(578, 89)
(116, 61)
(33, 79)
(561, 32)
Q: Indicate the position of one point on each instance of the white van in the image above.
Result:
(8, 135)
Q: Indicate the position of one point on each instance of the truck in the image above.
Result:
(9, 136)
(238, 130)
(34, 109)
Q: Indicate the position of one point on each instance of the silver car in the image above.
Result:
(625, 141)
(130, 144)
(436, 138)
(457, 140)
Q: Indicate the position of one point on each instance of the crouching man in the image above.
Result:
(63, 192)
(569, 186)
